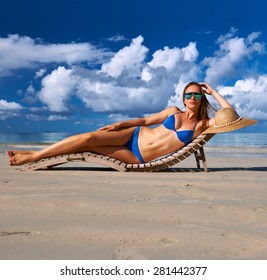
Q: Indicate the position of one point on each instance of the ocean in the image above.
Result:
(230, 143)
(238, 144)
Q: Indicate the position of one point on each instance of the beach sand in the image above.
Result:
(97, 213)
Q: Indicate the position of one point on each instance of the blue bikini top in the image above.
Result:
(184, 136)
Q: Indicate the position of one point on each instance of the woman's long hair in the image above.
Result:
(205, 108)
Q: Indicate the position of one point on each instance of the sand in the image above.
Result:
(97, 213)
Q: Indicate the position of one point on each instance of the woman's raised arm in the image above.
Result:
(210, 91)
(222, 102)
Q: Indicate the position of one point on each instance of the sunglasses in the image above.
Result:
(197, 95)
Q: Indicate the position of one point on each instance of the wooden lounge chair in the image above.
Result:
(195, 147)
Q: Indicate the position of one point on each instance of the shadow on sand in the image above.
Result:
(170, 169)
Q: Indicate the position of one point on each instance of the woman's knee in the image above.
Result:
(89, 139)
(84, 139)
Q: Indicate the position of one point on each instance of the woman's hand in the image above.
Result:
(207, 88)
(112, 127)
(210, 91)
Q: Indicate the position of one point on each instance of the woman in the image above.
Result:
(133, 141)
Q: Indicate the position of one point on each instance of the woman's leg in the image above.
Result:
(80, 142)
(120, 152)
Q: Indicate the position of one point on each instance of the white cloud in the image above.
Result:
(117, 38)
(8, 106)
(25, 52)
(128, 85)
(57, 89)
(118, 90)
(9, 109)
(40, 73)
(30, 95)
(171, 59)
(225, 37)
(57, 118)
(104, 96)
(8, 114)
(233, 51)
(129, 59)
(247, 96)
(35, 117)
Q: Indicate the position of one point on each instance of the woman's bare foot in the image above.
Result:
(22, 158)
(14, 152)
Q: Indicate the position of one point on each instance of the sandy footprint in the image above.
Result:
(163, 248)
(7, 233)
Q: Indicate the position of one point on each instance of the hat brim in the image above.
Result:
(241, 124)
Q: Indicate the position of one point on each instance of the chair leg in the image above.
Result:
(200, 155)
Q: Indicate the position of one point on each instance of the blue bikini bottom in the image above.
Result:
(132, 145)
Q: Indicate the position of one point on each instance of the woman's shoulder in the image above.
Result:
(174, 110)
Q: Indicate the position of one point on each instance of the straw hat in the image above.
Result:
(227, 120)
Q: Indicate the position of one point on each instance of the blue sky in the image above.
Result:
(75, 65)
